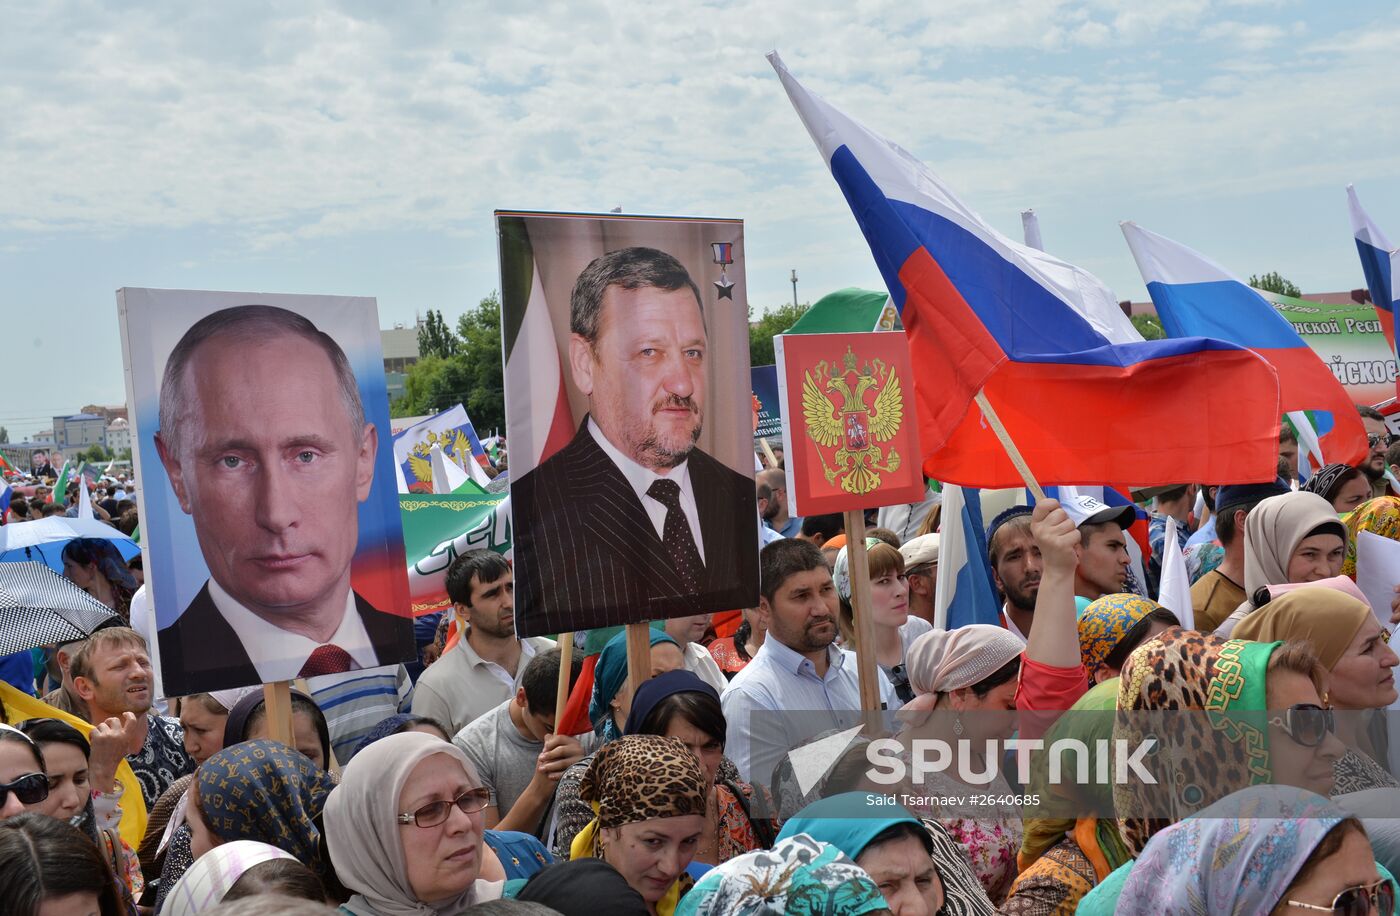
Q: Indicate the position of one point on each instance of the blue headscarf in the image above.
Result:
(393, 725)
(659, 688)
(265, 791)
(848, 821)
(1238, 856)
(608, 677)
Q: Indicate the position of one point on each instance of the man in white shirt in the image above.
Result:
(797, 672)
(687, 632)
(483, 669)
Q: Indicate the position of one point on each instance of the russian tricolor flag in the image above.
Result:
(1195, 297)
(1378, 262)
(964, 593)
(1078, 389)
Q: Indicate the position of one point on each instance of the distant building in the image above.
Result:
(400, 345)
(79, 431)
(43, 437)
(119, 435)
(107, 413)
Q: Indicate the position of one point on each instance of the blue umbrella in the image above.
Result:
(43, 541)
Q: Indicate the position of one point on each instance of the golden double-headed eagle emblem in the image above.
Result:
(869, 409)
(453, 442)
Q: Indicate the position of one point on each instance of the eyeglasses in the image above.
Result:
(1375, 439)
(1306, 723)
(434, 813)
(1361, 900)
(30, 789)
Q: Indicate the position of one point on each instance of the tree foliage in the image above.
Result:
(96, 454)
(435, 338)
(1149, 327)
(770, 323)
(462, 366)
(1275, 283)
(4, 435)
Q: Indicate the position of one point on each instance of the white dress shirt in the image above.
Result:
(279, 654)
(780, 678)
(641, 480)
(1011, 624)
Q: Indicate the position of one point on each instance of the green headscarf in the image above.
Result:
(1089, 721)
(847, 821)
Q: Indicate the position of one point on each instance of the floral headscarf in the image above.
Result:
(1237, 856)
(798, 876)
(265, 791)
(1198, 759)
(1379, 516)
(1105, 622)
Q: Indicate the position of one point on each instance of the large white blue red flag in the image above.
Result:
(1379, 260)
(1196, 297)
(1073, 381)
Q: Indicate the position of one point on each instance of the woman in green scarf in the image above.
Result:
(1073, 843)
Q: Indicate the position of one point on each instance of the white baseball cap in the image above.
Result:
(1087, 510)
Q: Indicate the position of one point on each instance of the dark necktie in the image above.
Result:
(676, 536)
(327, 660)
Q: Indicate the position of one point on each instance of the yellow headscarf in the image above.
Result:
(20, 706)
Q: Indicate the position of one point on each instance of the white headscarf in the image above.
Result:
(362, 829)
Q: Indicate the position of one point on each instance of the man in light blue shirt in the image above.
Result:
(797, 670)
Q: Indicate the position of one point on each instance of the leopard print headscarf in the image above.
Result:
(1202, 697)
(643, 777)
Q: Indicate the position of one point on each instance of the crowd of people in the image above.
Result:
(712, 786)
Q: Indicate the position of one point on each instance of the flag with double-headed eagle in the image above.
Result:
(451, 430)
(851, 440)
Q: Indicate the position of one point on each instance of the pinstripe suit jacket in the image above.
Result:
(587, 554)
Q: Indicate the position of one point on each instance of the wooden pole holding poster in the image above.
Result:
(638, 656)
(1012, 451)
(566, 662)
(278, 699)
(866, 662)
(768, 455)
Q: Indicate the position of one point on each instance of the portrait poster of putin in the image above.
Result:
(630, 419)
(269, 508)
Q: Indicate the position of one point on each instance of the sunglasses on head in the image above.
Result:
(1361, 900)
(434, 813)
(1306, 723)
(30, 789)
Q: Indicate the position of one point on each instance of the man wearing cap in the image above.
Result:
(921, 567)
(1015, 560)
(1219, 592)
(1103, 552)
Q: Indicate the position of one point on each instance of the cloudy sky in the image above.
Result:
(360, 147)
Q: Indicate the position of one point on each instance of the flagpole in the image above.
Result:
(1012, 451)
(866, 661)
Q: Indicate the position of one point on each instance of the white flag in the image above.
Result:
(1174, 592)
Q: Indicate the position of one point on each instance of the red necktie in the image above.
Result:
(327, 660)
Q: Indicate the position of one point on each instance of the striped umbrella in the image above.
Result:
(38, 607)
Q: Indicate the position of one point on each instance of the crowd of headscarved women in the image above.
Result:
(1274, 791)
